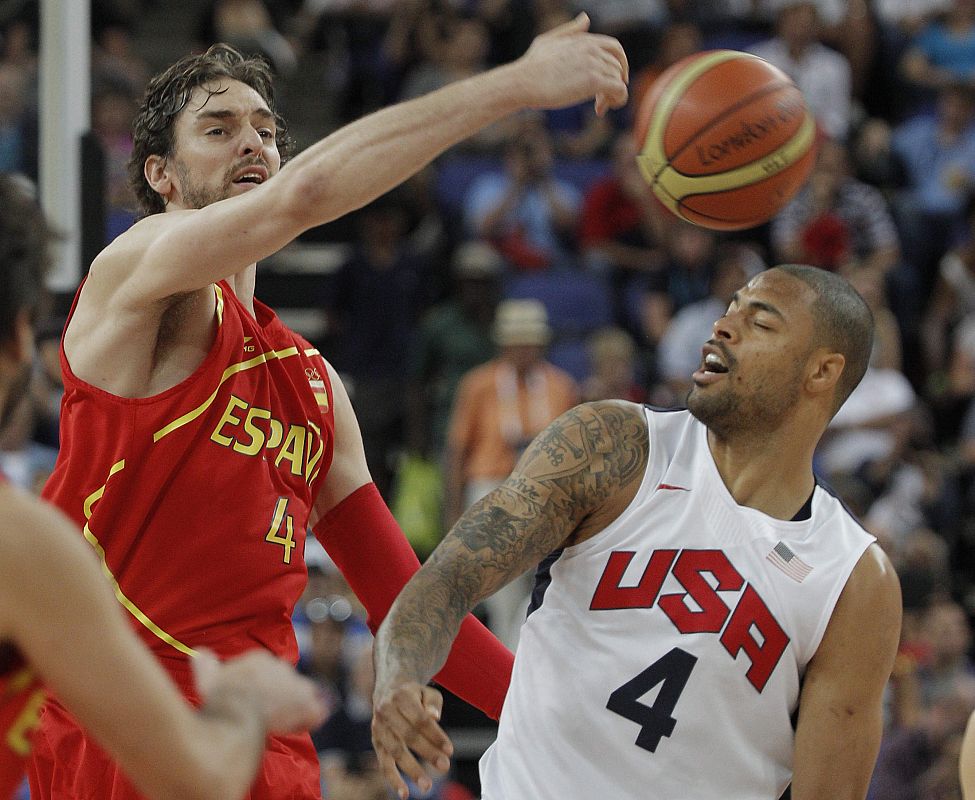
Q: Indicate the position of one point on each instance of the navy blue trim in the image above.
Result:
(832, 493)
(805, 512)
(664, 409)
(543, 577)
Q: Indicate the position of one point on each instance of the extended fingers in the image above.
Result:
(405, 730)
(614, 49)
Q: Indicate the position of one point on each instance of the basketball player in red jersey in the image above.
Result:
(200, 437)
(59, 622)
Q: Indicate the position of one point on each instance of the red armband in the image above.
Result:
(364, 540)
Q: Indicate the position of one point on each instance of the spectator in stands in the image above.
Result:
(938, 157)
(614, 364)
(526, 211)
(835, 221)
(113, 109)
(499, 407)
(948, 666)
(838, 222)
(114, 57)
(690, 257)
(952, 299)
(872, 428)
(376, 300)
(821, 73)
(943, 52)
(622, 226)
(344, 743)
(248, 26)
(678, 40)
(461, 51)
(453, 338)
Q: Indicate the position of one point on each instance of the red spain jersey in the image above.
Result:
(197, 499)
(21, 698)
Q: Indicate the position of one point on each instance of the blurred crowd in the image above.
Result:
(530, 268)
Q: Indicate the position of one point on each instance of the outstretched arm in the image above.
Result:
(178, 252)
(58, 610)
(840, 709)
(575, 477)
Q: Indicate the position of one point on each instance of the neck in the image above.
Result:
(243, 284)
(772, 474)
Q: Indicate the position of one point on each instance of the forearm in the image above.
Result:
(367, 158)
(367, 545)
(413, 642)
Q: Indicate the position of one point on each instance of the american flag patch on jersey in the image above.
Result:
(787, 561)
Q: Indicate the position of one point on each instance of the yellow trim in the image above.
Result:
(132, 608)
(96, 495)
(232, 370)
(312, 351)
(219, 293)
(90, 501)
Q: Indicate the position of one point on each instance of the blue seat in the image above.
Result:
(577, 303)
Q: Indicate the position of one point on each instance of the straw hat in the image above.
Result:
(521, 322)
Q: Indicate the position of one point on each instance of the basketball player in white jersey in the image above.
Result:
(708, 621)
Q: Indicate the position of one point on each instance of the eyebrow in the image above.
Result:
(758, 305)
(226, 114)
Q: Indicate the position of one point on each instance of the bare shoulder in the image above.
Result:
(873, 582)
(864, 628)
(588, 463)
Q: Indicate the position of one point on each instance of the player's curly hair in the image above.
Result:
(166, 96)
(25, 258)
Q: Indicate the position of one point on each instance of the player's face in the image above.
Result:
(753, 366)
(224, 144)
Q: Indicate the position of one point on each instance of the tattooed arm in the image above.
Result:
(574, 479)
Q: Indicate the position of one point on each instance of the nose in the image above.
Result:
(725, 328)
(250, 141)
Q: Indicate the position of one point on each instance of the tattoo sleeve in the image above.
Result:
(572, 469)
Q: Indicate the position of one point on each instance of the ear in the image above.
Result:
(157, 173)
(825, 370)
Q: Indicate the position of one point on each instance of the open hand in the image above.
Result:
(567, 65)
(406, 731)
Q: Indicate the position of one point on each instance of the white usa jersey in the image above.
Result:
(662, 658)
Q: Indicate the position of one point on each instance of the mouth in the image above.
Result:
(714, 364)
(252, 175)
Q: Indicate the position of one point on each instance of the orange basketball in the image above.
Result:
(725, 139)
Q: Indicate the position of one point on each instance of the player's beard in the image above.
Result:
(196, 195)
(758, 410)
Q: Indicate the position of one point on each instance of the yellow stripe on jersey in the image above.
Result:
(131, 607)
(219, 293)
(229, 372)
(96, 495)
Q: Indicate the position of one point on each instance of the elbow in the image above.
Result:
(304, 199)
